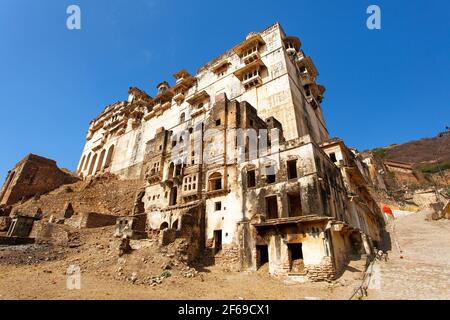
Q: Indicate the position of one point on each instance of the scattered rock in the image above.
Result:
(432, 216)
(133, 277)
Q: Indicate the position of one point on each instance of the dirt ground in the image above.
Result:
(40, 272)
(417, 268)
(419, 263)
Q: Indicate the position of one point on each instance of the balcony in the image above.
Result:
(198, 97)
(249, 48)
(220, 67)
(253, 81)
(305, 63)
(184, 81)
(179, 97)
(197, 112)
(154, 176)
(157, 107)
(98, 144)
(250, 75)
(306, 78)
(149, 115)
(166, 105)
(291, 51)
(292, 45)
(312, 101)
(251, 55)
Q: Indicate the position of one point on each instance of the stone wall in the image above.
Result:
(91, 220)
(20, 226)
(228, 257)
(324, 271)
(33, 176)
(50, 232)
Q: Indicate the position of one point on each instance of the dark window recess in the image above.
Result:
(251, 123)
(218, 122)
(270, 178)
(271, 207)
(218, 206)
(251, 179)
(173, 196)
(215, 182)
(178, 170)
(295, 204)
(333, 157)
(292, 169)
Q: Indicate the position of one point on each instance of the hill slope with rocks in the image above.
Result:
(422, 154)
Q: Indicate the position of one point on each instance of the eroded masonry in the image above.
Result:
(237, 159)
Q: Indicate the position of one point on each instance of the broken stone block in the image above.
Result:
(124, 246)
(167, 236)
(5, 222)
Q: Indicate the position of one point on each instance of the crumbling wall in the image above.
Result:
(91, 220)
(105, 193)
(324, 271)
(33, 175)
(50, 232)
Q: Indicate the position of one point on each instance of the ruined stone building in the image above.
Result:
(32, 176)
(238, 160)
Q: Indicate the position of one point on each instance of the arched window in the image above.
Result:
(91, 167)
(164, 226)
(100, 161)
(182, 117)
(81, 163)
(171, 170)
(175, 225)
(215, 181)
(109, 156)
(87, 161)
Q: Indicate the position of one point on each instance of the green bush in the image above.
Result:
(380, 153)
(434, 168)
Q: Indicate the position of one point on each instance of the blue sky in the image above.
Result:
(383, 86)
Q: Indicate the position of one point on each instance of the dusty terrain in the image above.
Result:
(419, 263)
(417, 268)
(39, 272)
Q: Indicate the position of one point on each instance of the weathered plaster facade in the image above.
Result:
(268, 70)
(206, 173)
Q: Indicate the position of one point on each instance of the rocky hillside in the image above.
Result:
(427, 155)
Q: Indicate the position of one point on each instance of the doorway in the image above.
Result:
(217, 241)
(262, 256)
(296, 257)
